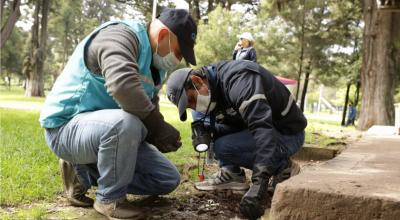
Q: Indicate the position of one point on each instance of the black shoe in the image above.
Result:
(292, 170)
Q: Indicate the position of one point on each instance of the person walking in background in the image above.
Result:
(351, 117)
(244, 49)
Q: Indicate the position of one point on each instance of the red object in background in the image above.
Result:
(201, 177)
(286, 81)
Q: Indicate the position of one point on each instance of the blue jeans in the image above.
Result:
(237, 150)
(108, 147)
(198, 115)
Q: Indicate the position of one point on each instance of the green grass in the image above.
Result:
(181, 156)
(317, 130)
(37, 212)
(28, 169)
(16, 94)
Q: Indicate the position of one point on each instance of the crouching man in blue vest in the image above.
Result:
(102, 116)
(255, 124)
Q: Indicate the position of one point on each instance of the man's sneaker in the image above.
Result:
(73, 188)
(120, 209)
(292, 170)
(224, 179)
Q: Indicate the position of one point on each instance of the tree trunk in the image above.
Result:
(36, 81)
(357, 93)
(43, 45)
(380, 65)
(210, 6)
(65, 47)
(301, 52)
(195, 10)
(2, 3)
(8, 27)
(305, 86)
(30, 73)
(346, 102)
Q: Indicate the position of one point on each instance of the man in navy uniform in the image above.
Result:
(255, 122)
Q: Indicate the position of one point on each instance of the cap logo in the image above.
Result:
(171, 97)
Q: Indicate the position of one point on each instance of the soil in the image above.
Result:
(201, 205)
(188, 203)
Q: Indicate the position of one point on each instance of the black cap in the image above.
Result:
(176, 92)
(183, 26)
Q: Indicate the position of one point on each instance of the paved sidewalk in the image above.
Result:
(361, 183)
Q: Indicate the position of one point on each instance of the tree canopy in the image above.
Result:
(319, 41)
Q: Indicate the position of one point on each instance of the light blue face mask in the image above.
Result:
(167, 62)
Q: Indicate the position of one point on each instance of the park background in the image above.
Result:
(337, 51)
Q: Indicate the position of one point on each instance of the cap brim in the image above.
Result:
(182, 104)
(187, 52)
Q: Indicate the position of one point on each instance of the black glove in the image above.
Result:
(161, 134)
(256, 199)
(156, 102)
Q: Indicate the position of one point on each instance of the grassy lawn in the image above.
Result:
(29, 171)
(27, 165)
(16, 94)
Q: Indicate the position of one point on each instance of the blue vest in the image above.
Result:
(78, 89)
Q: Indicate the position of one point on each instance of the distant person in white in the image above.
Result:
(244, 49)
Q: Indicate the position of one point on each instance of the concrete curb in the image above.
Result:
(363, 182)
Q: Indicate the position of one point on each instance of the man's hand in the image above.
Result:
(256, 199)
(161, 134)
(168, 140)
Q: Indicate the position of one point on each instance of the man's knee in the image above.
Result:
(221, 148)
(174, 181)
(170, 182)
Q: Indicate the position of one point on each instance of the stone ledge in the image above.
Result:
(363, 182)
(308, 153)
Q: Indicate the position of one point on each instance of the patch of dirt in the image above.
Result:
(200, 205)
(188, 203)
(184, 203)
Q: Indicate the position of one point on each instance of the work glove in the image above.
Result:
(156, 102)
(256, 199)
(161, 134)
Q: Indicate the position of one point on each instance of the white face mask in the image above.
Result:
(203, 102)
(167, 62)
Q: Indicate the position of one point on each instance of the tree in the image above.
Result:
(380, 65)
(101, 10)
(142, 9)
(217, 38)
(311, 38)
(273, 42)
(8, 26)
(12, 55)
(66, 29)
(35, 83)
(312, 29)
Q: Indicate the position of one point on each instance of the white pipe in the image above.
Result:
(321, 88)
(154, 10)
